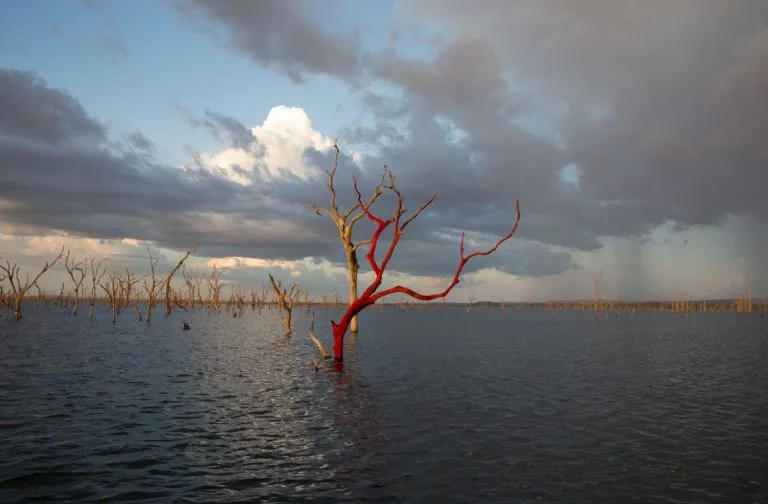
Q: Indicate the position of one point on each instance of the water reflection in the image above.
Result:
(358, 424)
(545, 406)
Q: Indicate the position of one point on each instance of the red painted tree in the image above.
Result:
(398, 225)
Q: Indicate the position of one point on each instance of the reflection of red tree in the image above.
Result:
(358, 424)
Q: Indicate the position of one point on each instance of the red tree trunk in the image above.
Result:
(340, 329)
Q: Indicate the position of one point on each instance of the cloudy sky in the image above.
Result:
(634, 134)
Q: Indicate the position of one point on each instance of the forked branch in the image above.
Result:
(19, 289)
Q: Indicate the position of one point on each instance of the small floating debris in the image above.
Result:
(185, 325)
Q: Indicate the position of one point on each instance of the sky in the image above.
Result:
(634, 135)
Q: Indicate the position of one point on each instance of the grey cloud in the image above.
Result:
(139, 141)
(431, 254)
(229, 130)
(279, 34)
(666, 109)
(31, 110)
(96, 189)
(60, 172)
(315, 281)
(478, 177)
(465, 84)
(533, 259)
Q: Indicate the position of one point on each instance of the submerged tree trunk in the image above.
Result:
(340, 329)
(353, 266)
(17, 307)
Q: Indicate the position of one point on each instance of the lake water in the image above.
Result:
(433, 406)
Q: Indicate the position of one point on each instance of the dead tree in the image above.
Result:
(97, 273)
(316, 341)
(19, 290)
(237, 300)
(169, 278)
(127, 287)
(112, 290)
(214, 289)
(598, 304)
(60, 299)
(345, 222)
(3, 300)
(264, 297)
(254, 300)
(76, 271)
(152, 285)
(192, 280)
(285, 299)
(370, 295)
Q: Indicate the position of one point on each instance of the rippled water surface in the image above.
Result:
(433, 406)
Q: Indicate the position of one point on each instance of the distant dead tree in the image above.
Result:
(60, 301)
(18, 290)
(254, 300)
(345, 222)
(306, 299)
(152, 285)
(285, 299)
(598, 303)
(3, 299)
(237, 299)
(398, 225)
(192, 280)
(97, 274)
(214, 289)
(259, 299)
(76, 271)
(112, 289)
(128, 284)
(169, 278)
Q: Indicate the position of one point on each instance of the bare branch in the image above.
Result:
(316, 341)
(284, 301)
(169, 278)
(19, 290)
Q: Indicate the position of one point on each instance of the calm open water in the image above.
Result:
(433, 406)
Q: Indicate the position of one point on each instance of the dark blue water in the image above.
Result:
(433, 406)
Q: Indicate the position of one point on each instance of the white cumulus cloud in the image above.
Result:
(281, 141)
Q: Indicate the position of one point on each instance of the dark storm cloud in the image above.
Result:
(493, 161)
(667, 108)
(278, 34)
